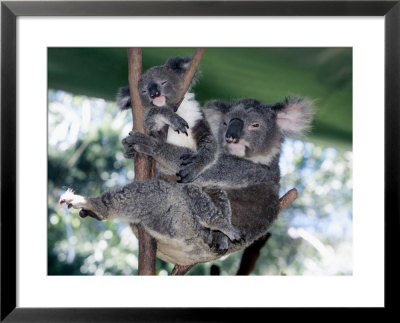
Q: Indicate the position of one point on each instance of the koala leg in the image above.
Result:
(164, 209)
(218, 241)
(132, 202)
(89, 206)
(213, 211)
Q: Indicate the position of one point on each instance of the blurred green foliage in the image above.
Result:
(312, 236)
(267, 74)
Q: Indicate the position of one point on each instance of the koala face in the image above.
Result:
(161, 85)
(255, 131)
(250, 129)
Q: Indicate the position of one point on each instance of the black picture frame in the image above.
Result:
(11, 10)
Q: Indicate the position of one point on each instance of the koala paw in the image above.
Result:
(234, 234)
(137, 142)
(190, 168)
(188, 158)
(178, 124)
(188, 174)
(220, 243)
(78, 202)
(72, 200)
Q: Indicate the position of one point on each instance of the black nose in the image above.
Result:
(234, 130)
(153, 90)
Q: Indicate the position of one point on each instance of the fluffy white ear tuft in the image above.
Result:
(296, 116)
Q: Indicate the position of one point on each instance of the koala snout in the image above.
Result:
(234, 131)
(154, 91)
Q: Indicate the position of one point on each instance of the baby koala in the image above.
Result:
(160, 88)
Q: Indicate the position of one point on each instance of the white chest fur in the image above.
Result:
(190, 111)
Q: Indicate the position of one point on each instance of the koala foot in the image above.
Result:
(219, 242)
(73, 200)
(190, 168)
(178, 124)
(233, 234)
(78, 202)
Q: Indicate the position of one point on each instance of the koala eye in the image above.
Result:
(254, 126)
(164, 82)
(224, 124)
(144, 91)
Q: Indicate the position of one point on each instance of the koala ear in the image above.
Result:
(219, 106)
(214, 112)
(123, 98)
(294, 115)
(178, 64)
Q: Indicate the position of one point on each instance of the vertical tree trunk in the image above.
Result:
(147, 245)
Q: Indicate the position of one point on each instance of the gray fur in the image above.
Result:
(167, 80)
(182, 216)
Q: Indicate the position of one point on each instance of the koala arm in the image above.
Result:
(176, 159)
(157, 117)
(233, 172)
(165, 154)
(193, 164)
(226, 171)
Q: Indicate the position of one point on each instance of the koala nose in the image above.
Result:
(154, 92)
(234, 130)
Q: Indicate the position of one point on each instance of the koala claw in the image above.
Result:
(188, 174)
(130, 154)
(234, 235)
(218, 242)
(179, 124)
(220, 248)
(138, 142)
(84, 213)
(185, 156)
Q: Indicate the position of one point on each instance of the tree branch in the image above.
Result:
(190, 72)
(147, 245)
(288, 199)
(180, 270)
(251, 254)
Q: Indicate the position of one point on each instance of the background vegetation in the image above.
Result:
(313, 236)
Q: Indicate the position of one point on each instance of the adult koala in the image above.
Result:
(182, 216)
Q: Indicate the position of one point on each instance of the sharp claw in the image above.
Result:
(186, 162)
(185, 156)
